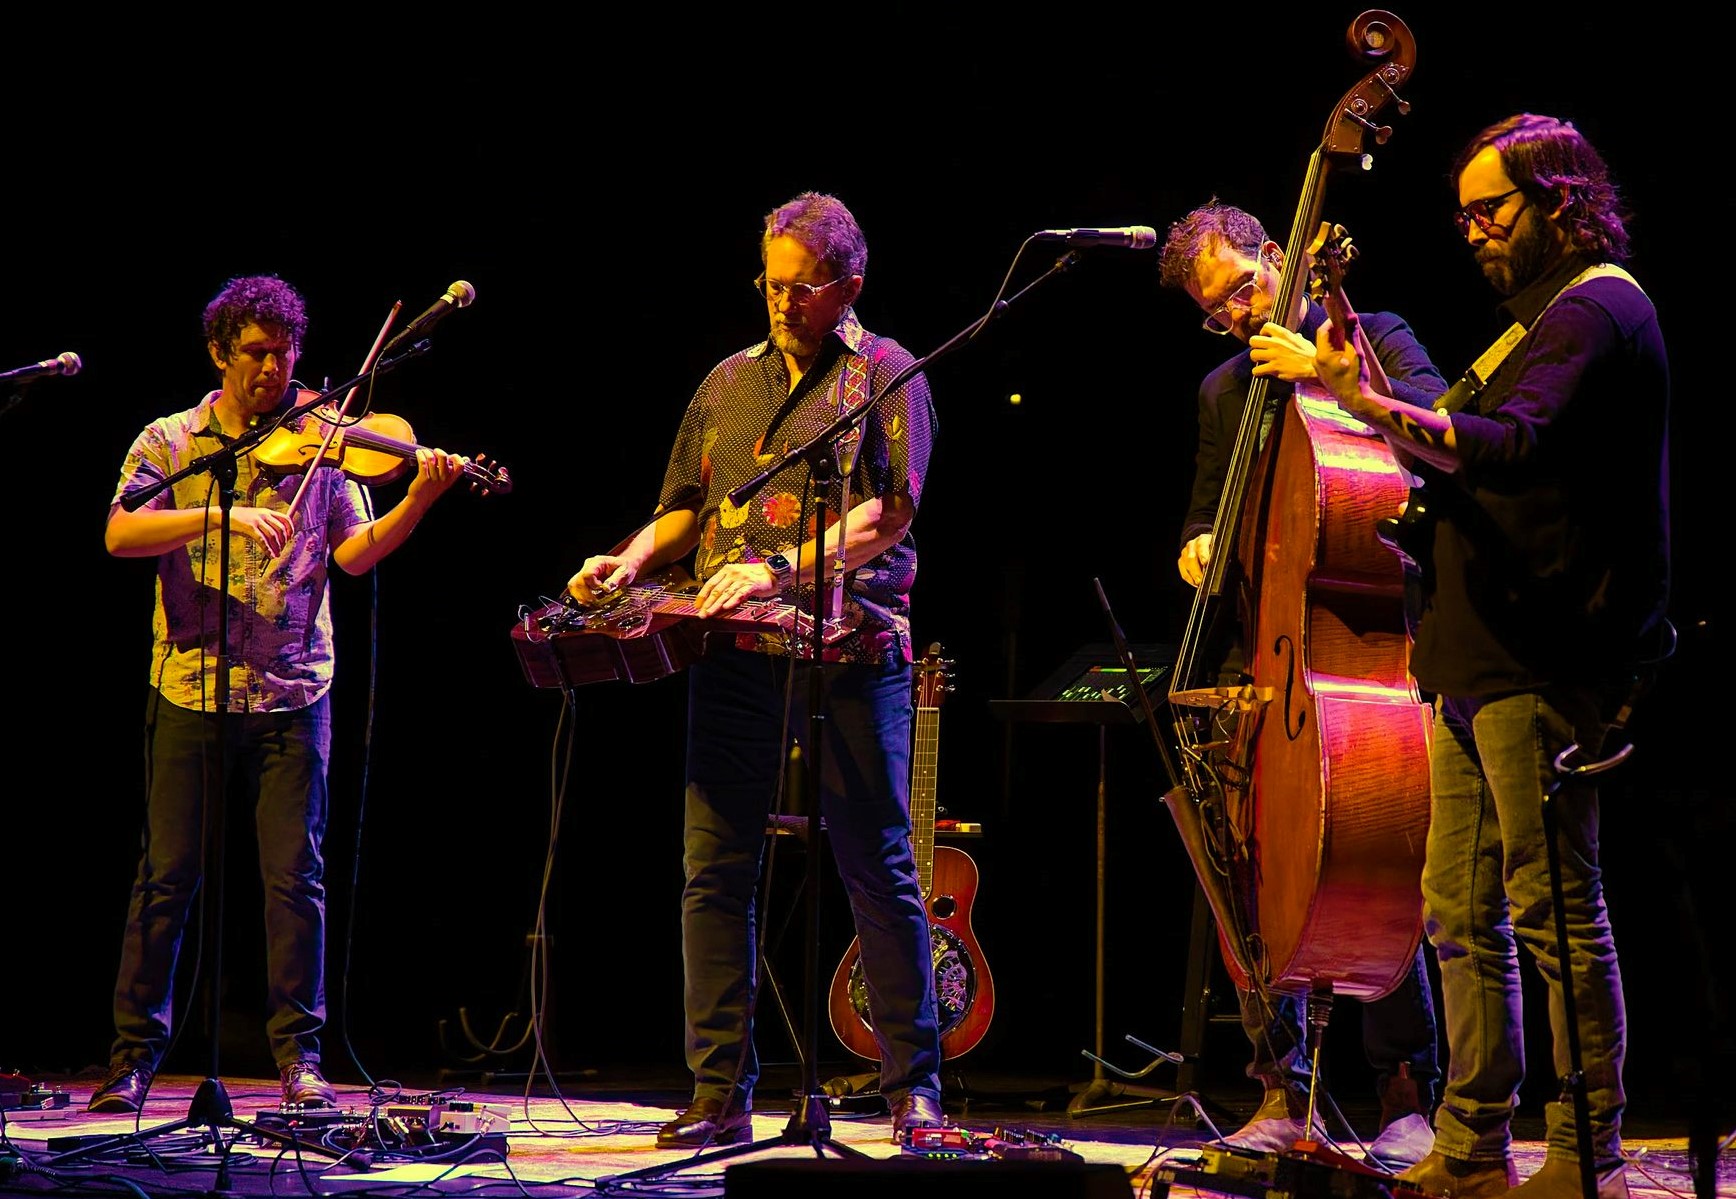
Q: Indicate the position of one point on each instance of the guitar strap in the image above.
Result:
(1484, 368)
(853, 390)
(1391, 530)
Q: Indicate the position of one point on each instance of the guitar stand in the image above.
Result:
(1088, 1098)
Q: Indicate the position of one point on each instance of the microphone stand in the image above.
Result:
(810, 1124)
(211, 1107)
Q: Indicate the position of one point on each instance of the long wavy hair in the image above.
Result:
(1551, 162)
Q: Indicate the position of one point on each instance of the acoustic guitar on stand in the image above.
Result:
(964, 990)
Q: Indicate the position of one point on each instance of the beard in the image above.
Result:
(1515, 264)
(798, 343)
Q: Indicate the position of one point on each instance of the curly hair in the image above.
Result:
(1550, 160)
(1195, 234)
(254, 299)
(824, 225)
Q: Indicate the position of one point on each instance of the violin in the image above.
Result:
(376, 448)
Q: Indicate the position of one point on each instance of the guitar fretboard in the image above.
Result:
(923, 755)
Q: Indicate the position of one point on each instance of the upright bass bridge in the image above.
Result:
(1245, 698)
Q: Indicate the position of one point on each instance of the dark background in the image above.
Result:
(602, 191)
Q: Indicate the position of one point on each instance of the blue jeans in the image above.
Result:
(277, 763)
(1398, 1030)
(743, 709)
(1486, 889)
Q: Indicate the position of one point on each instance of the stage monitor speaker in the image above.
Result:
(924, 1178)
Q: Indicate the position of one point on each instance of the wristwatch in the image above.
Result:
(781, 568)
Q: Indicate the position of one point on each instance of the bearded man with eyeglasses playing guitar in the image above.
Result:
(1547, 581)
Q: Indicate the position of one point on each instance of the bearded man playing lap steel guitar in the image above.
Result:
(748, 691)
(1221, 257)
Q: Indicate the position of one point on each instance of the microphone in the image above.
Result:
(67, 364)
(1133, 237)
(459, 295)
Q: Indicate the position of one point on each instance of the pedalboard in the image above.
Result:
(19, 1093)
(35, 1099)
(449, 1118)
(1000, 1145)
(293, 1118)
(1307, 1171)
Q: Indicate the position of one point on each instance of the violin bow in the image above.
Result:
(333, 426)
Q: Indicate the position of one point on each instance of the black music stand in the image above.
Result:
(1094, 687)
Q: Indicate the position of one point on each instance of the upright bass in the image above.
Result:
(1303, 802)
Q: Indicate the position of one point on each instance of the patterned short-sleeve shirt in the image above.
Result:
(744, 417)
(280, 626)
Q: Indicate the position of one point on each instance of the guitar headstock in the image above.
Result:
(1329, 255)
(933, 678)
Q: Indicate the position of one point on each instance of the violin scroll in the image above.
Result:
(487, 478)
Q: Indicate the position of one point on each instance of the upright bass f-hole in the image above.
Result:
(1285, 648)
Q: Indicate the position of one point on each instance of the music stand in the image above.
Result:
(1093, 686)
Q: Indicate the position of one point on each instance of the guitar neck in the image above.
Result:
(923, 758)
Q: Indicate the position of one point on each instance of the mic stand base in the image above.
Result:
(809, 1127)
(210, 1108)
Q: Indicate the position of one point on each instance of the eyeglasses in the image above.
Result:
(1218, 319)
(1483, 212)
(775, 290)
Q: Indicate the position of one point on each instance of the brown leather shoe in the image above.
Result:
(914, 1109)
(1456, 1178)
(706, 1123)
(122, 1089)
(1558, 1178)
(305, 1086)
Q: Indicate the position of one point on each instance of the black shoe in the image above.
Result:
(913, 1109)
(305, 1086)
(706, 1123)
(123, 1089)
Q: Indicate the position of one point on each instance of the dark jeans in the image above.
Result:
(277, 763)
(1398, 1029)
(1487, 889)
(743, 709)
